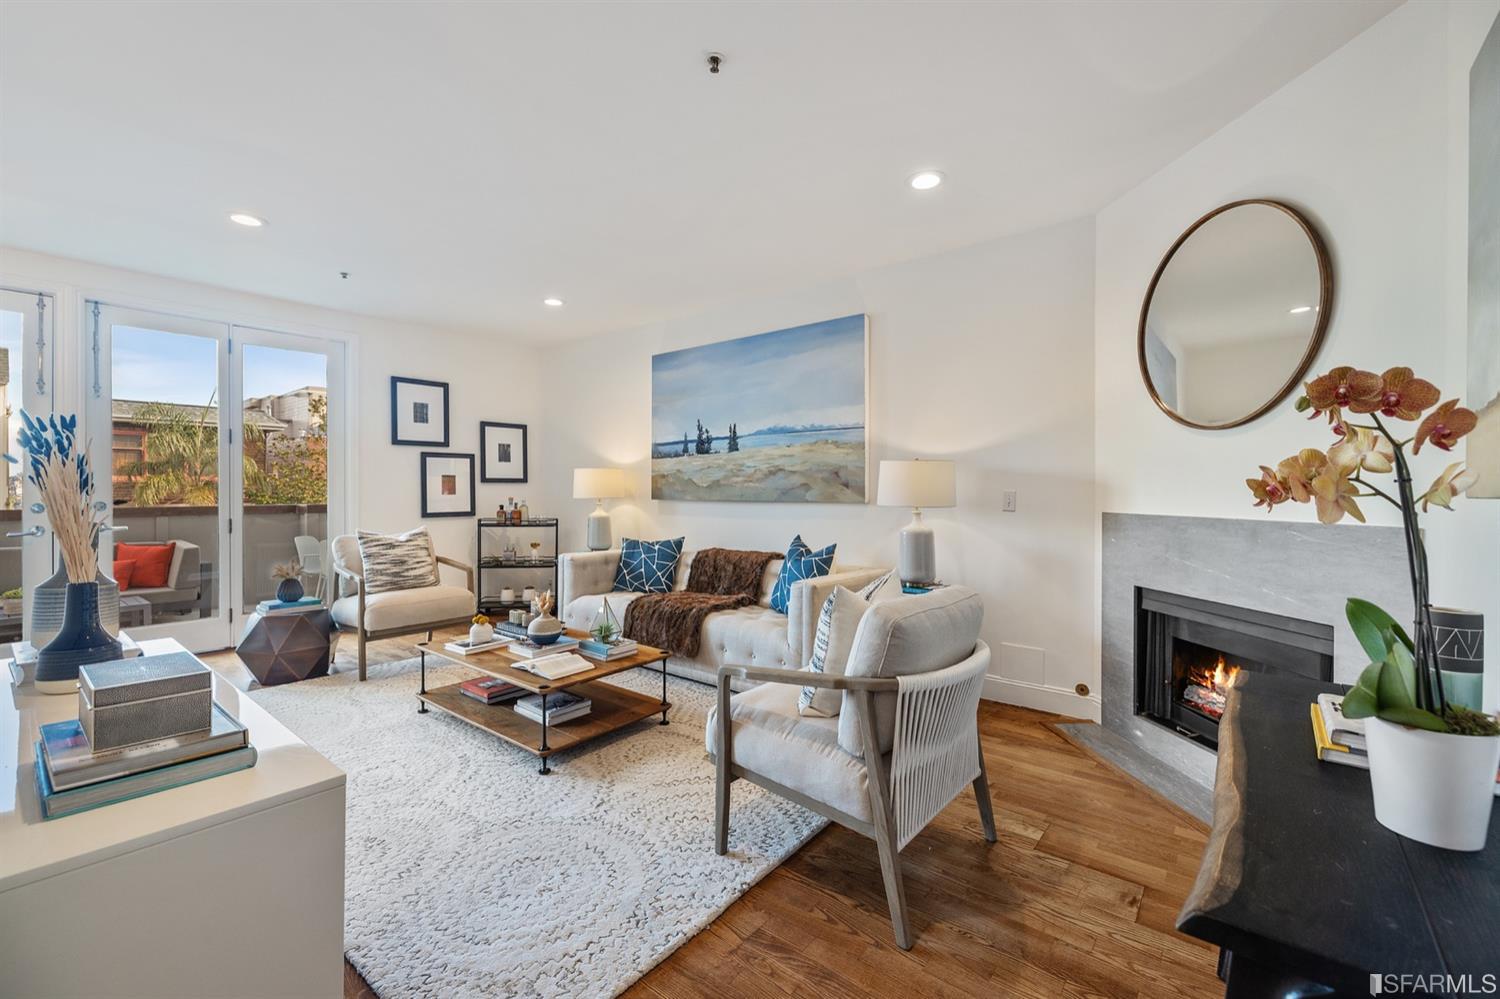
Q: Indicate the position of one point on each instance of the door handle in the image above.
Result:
(35, 531)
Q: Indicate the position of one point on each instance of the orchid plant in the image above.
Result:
(1403, 682)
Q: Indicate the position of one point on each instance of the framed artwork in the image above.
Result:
(447, 484)
(502, 452)
(419, 412)
(773, 418)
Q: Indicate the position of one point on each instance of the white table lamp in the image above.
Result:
(598, 484)
(917, 483)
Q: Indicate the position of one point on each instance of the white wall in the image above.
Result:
(386, 496)
(1372, 145)
(984, 356)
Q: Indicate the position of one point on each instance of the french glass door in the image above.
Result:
(26, 382)
(220, 442)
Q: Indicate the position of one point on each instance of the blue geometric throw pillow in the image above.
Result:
(801, 563)
(648, 566)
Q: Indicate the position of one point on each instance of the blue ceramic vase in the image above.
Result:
(81, 640)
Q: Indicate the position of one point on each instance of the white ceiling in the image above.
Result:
(463, 161)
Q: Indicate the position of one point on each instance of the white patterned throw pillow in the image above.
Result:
(882, 588)
(837, 623)
(397, 561)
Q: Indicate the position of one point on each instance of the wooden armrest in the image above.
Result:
(464, 567)
(804, 678)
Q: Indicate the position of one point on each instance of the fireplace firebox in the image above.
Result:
(1188, 650)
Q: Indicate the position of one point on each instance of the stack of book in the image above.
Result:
(525, 648)
(607, 651)
(464, 647)
(286, 606)
(561, 707)
(490, 690)
(1338, 739)
(510, 630)
(71, 777)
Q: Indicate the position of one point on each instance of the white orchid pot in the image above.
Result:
(1433, 787)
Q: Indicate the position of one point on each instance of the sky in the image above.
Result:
(806, 374)
(173, 367)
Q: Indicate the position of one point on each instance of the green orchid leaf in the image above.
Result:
(1415, 717)
(1374, 627)
(1362, 700)
(1398, 680)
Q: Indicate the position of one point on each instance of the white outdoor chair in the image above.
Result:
(310, 556)
(911, 690)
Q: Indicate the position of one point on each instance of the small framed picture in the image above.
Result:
(502, 451)
(419, 412)
(447, 484)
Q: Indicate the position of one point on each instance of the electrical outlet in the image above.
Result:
(1009, 504)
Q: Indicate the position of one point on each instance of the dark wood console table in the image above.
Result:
(1304, 892)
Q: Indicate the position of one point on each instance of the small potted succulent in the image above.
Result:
(10, 602)
(289, 581)
(481, 630)
(1432, 761)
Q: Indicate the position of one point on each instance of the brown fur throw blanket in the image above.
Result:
(718, 579)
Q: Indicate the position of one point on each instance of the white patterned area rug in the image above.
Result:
(469, 874)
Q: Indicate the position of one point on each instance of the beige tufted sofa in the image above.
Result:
(751, 636)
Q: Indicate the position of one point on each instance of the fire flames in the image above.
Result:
(1207, 686)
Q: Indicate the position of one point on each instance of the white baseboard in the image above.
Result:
(1040, 697)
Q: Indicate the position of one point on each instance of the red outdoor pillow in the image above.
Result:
(152, 562)
(124, 573)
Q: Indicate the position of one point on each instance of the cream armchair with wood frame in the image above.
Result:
(394, 613)
(911, 690)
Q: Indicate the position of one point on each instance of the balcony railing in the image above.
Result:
(267, 531)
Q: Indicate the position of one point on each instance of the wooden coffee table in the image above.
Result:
(613, 707)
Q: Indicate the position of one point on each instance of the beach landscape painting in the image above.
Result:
(773, 418)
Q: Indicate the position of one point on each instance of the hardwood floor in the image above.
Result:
(1077, 900)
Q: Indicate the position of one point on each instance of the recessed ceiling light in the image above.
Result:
(926, 180)
(555, 303)
(1300, 309)
(245, 218)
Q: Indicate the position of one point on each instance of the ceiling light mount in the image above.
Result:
(715, 60)
(246, 219)
(552, 302)
(925, 180)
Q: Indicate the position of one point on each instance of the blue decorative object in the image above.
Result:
(801, 563)
(289, 590)
(82, 640)
(648, 566)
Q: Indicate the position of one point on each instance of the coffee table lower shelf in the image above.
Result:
(613, 708)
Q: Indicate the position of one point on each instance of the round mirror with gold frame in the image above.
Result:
(1235, 314)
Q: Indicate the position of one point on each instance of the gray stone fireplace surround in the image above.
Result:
(1300, 570)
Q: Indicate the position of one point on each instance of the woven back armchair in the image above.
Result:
(905, 742)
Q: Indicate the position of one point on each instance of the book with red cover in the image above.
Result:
(490, 689)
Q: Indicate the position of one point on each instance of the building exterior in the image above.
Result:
(302, 410)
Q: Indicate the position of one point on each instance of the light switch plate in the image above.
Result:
(1009, 501)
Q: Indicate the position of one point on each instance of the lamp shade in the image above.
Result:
(598, 483)
(917, 483)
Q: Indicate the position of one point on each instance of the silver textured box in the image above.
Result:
(137, 700)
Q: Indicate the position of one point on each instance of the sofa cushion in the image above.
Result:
(412, 609)
(801, 753)
(884, 588)
(838, 622)
(915, 634)
(746, 636)
(153, 563)
(648, 566)
(397, 561)
(124, 570)
(580, 613)
(801, 563)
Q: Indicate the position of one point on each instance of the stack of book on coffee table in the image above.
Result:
(144, 725)
(561, 707)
